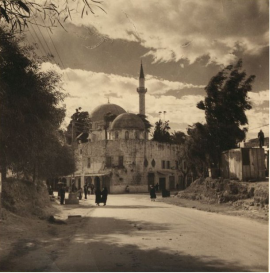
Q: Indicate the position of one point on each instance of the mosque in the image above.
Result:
(119, 154)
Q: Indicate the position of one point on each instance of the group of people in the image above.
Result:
(101, 196)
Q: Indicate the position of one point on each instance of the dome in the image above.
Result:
(128, 121)
(99, 112)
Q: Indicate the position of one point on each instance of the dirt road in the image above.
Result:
(132, 233)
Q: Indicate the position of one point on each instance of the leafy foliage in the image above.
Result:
(178, 137)
(78, 127)
(18, 14)
(225, 106)
(30, 111)
(147, 124)
(161, 131)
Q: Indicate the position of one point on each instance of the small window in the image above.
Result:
(80, 151)
(88, 162)
(145, 163)
(163, 164)
(120, 161)
(168, 164)
(153, 163)
(116, 135)
(127, 135)
(108, 161)
(136, 135)
(176, 164)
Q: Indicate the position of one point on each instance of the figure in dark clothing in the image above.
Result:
(50, 190)
(152, 193)
(73, 187)
(98, 196)
(157, 187)
(261, 138)
(104, 194)
(85, 189)
(80, 194)
(62, 192)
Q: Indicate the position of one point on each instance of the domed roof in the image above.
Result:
(128, 121)
(99, 112)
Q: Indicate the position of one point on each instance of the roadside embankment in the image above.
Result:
(249, 199)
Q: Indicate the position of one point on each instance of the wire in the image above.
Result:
(43, 38)
(44, 51)
(55, 47)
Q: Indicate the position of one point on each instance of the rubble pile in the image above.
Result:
(227, 191)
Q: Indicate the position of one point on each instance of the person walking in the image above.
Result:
(85, 189)
(104, 194)
(261, 138)
(98, 196)
(152, 193)
(62, 195)
(80, 193)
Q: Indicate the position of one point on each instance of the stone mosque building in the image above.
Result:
(121, 155)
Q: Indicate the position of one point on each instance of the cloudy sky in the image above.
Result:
(182, 44)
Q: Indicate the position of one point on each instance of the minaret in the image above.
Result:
(141, 90)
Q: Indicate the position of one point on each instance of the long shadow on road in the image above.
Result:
(117, 245)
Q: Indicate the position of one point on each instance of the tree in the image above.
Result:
(18, 14)
(225, 105)
(161, 131)
(178, 138)
(78, 128)
(30, 109)
(147, 124)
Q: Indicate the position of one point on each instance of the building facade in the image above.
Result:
(119, 154)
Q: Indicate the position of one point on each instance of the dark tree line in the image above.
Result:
(31, 115)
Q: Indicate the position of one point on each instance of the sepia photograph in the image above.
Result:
(134, 135)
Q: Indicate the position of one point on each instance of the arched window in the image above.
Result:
(116, 135)
(127, 135)
(136, 134)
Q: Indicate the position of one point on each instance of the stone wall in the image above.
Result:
(139, 158)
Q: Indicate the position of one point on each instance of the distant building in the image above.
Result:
(119, 153)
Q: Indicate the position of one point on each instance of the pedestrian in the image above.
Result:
(98, 196)
(177, 186)
(157, 187)
(73, 187)
(80, 193)
(152, 193)
(104, 194)
(85, 189)
(62, 195)
(261, 138)
(50, 190)
(127, 189)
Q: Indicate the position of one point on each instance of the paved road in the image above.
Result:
(132, 233)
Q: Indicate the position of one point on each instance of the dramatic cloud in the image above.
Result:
(88, 90)
(175, 30)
